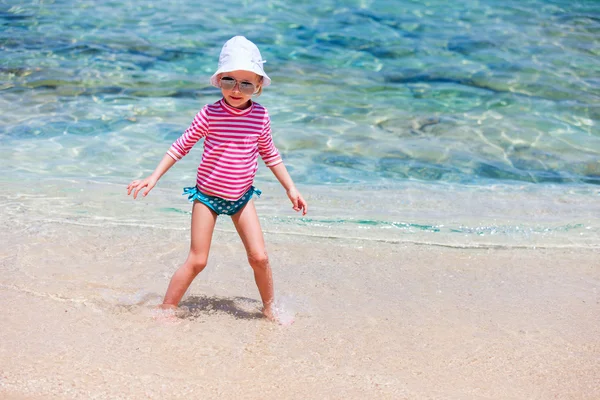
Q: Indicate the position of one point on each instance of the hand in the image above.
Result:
(138, 185)
(297, 200)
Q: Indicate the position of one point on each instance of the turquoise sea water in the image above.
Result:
(473, 97)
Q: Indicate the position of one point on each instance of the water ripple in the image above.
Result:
(482, 91)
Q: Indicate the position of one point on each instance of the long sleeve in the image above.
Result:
(266, 148)
(196, 131)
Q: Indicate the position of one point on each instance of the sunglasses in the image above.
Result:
(245, 87)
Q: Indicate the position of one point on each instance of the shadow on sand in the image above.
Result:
(197, 305)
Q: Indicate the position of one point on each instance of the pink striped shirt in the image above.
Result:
(233, 141)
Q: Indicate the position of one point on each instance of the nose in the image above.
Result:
(236, 87)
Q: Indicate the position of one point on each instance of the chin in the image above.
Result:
(238, 102)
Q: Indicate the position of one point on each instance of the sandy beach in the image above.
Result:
(372, 320)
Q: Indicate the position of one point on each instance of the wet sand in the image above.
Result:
(372, 319)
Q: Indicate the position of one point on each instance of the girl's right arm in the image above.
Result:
(197, 130)
(149, 182)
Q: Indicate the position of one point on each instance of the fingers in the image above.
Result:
(150, 186)
(295, 204)
(139, 187)
(136, 186)
(303, 205)
(131, 186)
(300, 204)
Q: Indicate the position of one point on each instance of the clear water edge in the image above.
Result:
(442, 215)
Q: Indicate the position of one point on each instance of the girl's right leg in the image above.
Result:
(203, 225)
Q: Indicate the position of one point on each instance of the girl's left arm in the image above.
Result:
(282, 175)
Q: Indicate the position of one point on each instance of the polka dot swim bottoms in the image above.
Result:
(219, 205)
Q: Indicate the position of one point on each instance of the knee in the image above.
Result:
(196, 263)
(258, 261)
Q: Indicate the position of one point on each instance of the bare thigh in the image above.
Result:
(203, 225)
(248, 227)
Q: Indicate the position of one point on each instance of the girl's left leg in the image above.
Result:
(248, 227)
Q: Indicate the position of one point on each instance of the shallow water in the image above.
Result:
(465, 126)
(364, 92)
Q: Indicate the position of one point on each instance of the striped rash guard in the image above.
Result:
(233, 139)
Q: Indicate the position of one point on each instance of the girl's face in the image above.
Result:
(235, 86)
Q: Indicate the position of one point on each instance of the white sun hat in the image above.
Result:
(238, 53)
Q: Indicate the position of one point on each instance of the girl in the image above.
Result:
(236, 131)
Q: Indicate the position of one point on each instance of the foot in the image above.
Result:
(270, 314)
(166, 313)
